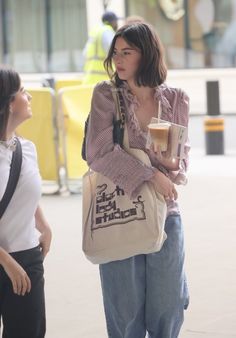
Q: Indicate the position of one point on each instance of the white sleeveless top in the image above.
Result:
(17, 225)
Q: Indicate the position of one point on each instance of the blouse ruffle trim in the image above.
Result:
(134, 104)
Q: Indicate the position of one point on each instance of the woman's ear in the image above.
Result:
(10, 109)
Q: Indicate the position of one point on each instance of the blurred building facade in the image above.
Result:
(49, 35)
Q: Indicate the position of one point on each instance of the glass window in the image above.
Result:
(24, 35)
(43, 36)
(195, 33)
(1, 32)
(68, 34)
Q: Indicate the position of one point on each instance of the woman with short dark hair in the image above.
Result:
(146, 293)
(22, 249)
(152, 69)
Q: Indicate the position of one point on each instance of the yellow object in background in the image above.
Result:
(74, 104)
(61, 83)
(42, 130)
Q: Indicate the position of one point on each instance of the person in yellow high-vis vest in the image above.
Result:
(97, 47)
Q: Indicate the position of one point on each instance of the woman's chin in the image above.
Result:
(122, 77)
(29, 115)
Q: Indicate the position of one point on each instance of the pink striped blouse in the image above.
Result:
(110, 159)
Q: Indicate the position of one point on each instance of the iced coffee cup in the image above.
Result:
(159, 133)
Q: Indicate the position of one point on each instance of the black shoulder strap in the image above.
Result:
(118, 123)
(13, 177)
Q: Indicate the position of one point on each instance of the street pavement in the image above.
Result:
(73, 295)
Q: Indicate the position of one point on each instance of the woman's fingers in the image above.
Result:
(21, 285)
(14, 285)
(28, 281)
(19, 278)
(157, 150)
(175, 193)
(171, 195)
(164, 186)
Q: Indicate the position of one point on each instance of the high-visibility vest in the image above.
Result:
(95, 55)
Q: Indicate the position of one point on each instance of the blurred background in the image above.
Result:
(49, 35)
(44, 41)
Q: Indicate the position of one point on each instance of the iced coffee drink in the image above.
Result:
(159, 133)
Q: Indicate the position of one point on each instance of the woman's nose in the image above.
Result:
(118, 58)
(29, 96)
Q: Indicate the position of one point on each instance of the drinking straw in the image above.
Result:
(159, 112)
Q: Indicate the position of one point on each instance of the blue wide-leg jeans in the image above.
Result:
(147, 293)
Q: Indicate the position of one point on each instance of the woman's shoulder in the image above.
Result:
(103, 86)
(173, 93)
(102, 93)
(27, 145)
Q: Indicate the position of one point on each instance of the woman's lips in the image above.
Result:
(120, 69)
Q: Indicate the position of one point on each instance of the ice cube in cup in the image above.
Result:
(159, 134)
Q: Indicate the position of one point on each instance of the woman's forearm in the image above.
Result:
(4, 256)
(41, 222)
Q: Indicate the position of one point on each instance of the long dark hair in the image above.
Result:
(9, 85)
(152, 71)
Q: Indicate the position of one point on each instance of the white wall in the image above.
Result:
(193, 81)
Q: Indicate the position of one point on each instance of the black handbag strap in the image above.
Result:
(119, 122)
(13, 177)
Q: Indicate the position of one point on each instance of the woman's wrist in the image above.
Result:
(4, 257)
(163, 170)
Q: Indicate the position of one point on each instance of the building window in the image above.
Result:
(43, 36)
(195, 33)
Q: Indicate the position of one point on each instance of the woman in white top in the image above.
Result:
(25, 235)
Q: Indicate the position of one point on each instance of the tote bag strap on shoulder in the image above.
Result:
(13, 177)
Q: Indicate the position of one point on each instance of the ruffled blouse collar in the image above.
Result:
(9, 144)
(130, 112)
(159, 95)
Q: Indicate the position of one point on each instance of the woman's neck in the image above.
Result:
(142, 93)
(9, 134)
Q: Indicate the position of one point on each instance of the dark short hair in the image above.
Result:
(9, 85)
(109, 17)
(153, 70)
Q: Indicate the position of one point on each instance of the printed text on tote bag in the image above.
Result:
(112, 208)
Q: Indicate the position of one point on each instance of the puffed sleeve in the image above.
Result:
(181, 116)
(103, 155)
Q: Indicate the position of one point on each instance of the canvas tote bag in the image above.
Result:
(115, 226)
